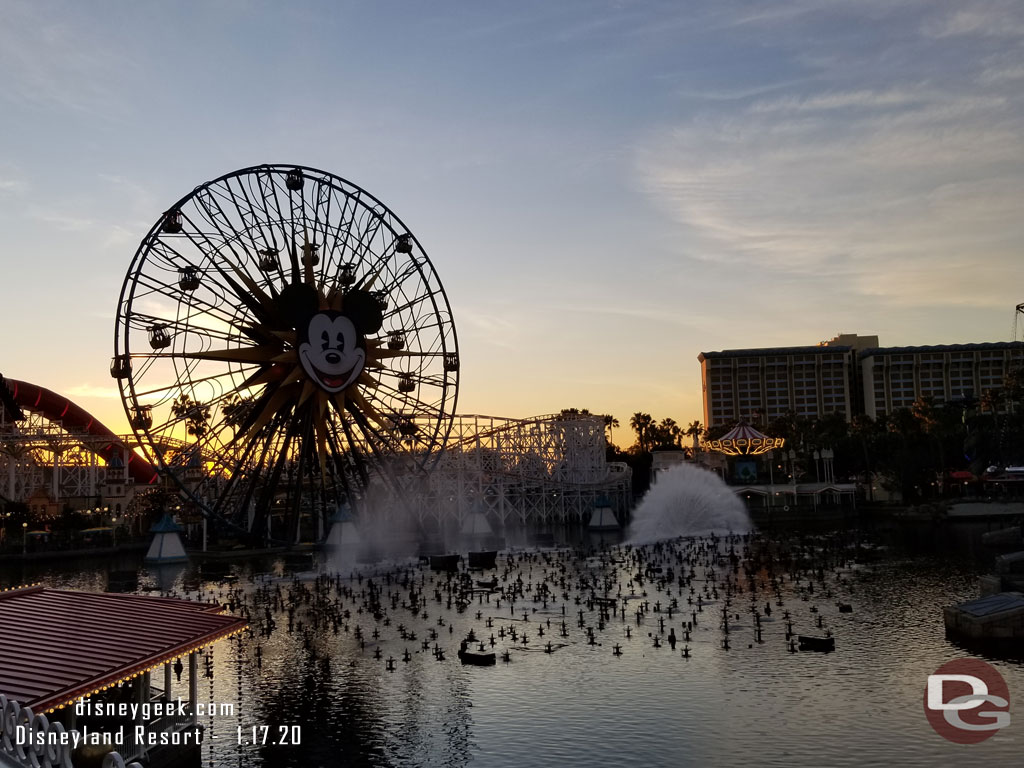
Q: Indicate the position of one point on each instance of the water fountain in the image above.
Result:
(687, 501)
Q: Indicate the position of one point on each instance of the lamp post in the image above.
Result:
(24, 539)
(827, 456)
(791, 455)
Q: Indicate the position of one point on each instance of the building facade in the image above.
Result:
(894, 377)
(848, 375)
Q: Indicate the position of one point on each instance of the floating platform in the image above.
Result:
(1004, 537)
(995, 617)
(444, 563)
(821, 644)
(985, 509)
(475, 659)
(485, 560)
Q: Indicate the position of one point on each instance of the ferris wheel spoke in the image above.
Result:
(254, 216)
(239, 476)
(144, 321)
(322, 216)
(347, 448)
(408, 306)
(281, 223)
(367, 233)
(207, 202)
(179, 386)
(335, 256)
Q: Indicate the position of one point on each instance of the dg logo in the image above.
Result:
(967, 701)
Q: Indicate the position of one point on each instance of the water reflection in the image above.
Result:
(313, 661)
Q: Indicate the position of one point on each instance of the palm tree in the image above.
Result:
(668, 432)
(695, 431)
(1013, 387)
(195, 414)
(236, 410)
(642, 423)
(992, 401)
(862, 428)
(610, 422)
(928, 418)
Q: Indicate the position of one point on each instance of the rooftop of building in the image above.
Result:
(766, 351)
(831, 348)
(978, 347)
(57, 645)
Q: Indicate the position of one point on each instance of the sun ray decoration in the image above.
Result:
(742, 440)
(281, 338)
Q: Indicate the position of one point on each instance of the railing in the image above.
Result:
(32, 741)
(133, 749)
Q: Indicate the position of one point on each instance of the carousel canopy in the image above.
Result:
(742, 440)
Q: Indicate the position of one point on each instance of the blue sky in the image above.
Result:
(605, 188)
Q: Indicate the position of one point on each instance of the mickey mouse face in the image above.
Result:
(332, 352)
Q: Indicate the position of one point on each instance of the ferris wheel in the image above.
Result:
(281, 340)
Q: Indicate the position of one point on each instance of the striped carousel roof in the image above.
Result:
(743, 439)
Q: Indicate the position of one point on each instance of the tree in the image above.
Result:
(236, 410)
(1013, 388)
(665, 434)
(642, 423)
(195, 414)
(610, 422)
(696, 431)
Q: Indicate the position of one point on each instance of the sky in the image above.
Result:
(606, 188)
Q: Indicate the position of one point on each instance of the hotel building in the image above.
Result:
(893, 377)
(849, 374)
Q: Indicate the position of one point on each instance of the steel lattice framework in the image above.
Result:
(544, 469)
(39, 454)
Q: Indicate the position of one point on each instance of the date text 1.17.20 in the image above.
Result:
(265, 734)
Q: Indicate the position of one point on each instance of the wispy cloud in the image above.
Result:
(988, 18)
(860, 99)
(49, 61)
(904, 189)
(92, 390)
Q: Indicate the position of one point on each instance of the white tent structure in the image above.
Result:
(344, 538)
(166, 546)
(475, 524)
(603, 516)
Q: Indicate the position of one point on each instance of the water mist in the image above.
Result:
(687, 500)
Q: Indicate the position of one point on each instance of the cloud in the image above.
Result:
(991, 18)
(53, 58)
(93, 391)
(865, 98)
(902, 189)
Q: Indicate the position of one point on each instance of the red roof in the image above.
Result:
(57, 645)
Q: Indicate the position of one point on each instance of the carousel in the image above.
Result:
(742, 450)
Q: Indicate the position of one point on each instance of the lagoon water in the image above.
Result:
(581, 705)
